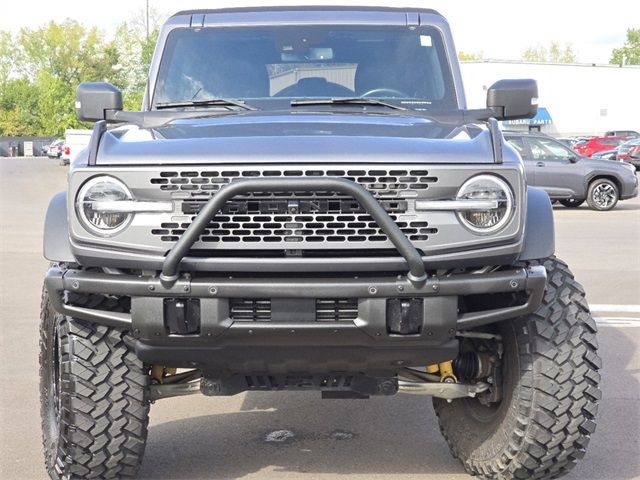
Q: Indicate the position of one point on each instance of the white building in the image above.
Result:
(581, 99)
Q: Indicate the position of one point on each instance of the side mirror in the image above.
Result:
(95, 99)
(513, 99)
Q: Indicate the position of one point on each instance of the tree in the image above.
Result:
(135, 52)
(137, 41)
(41, 68)
(48, 63)
(554, 54)
(5, 57)
(56, 105)
(18, 108)
(67, 51)
(468, 57)
(629, 53)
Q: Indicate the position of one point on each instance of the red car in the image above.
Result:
(598, 144)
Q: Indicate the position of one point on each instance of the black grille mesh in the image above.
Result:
(294, 229)
(266, 217)
(383, 183)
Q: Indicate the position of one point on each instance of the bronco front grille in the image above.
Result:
(294, 220)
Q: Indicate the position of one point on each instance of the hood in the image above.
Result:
(605, 164)
(259, 137)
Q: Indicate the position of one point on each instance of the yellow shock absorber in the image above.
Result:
(158, 372)
(446, 372)
(433, 368)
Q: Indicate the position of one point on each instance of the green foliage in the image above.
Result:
(55, 105)
(554, 54)
(629, 53)
(18, 107)
(134, 60)
(5, 57)
(468, 57)
(41, 68)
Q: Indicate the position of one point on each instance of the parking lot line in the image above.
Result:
(619, 322)
(615, 308)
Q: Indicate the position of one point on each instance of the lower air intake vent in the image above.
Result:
(336, 309)
(250, 310)
(260, 310)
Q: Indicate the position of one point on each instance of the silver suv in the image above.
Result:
(571, 178)
(306, 203)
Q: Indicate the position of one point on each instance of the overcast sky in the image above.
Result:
(501, 29)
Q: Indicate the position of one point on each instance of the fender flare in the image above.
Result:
(56, 245)
(539, 231)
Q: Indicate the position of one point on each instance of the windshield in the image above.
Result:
(271, 66)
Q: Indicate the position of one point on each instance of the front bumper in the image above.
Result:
(629, 187)
(299, 343)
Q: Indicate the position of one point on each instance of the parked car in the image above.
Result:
(630, 152)
(569, 142)
(55, 149)
(622, 133)
(598, 144)
(75, 142)
(606, 154)
(570, 178)
(613, 153)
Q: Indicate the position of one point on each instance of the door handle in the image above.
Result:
(539, 164)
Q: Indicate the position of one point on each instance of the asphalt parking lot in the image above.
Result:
(286, 436)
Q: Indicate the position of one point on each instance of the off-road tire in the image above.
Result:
(550, 399)
(92, 396)
(592, 194)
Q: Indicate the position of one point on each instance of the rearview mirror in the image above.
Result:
(95, 99)
(513, 99)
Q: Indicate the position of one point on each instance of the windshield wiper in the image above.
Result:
(346, 101)
(211, 102)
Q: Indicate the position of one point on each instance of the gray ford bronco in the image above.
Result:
(306, 203)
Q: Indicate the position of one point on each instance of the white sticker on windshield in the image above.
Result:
(425, 41)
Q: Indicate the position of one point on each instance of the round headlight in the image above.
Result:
(486, 220)
(96, 191)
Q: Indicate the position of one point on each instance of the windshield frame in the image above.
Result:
(447, 57)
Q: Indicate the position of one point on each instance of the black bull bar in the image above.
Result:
(170, 269)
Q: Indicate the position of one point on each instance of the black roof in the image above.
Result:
(310, 8)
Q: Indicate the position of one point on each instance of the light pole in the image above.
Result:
(147, 22)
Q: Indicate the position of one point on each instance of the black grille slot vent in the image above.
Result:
(292, 229)
(336, 309)
(250, 310)
(383, 183)
(296, 220)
